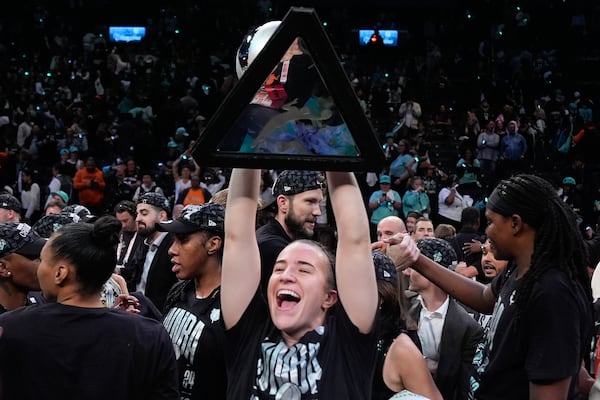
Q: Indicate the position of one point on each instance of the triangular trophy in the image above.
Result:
(293, 108)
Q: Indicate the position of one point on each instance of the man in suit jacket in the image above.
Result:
(148, 268)
(449, 336)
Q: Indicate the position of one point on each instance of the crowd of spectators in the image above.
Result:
(72, 98)
(471, 94)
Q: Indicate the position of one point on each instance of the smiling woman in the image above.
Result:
(545, 285)
(300, 334)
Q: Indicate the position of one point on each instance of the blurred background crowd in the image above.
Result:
(73, 99)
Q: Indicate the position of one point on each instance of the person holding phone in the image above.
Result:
(451, 203)
(184, 167)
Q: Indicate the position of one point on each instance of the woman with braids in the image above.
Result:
(541, 321)
(73, 346)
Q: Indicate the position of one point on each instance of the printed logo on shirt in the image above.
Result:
(485, 347)
(185, 330)
(215, 314)
(290, 373)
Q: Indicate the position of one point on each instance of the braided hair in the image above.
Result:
(558, 243)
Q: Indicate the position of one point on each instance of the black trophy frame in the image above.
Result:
(304, 23)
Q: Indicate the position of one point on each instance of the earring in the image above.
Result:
(9, 274)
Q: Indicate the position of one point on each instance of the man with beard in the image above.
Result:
(148, 267)
(125, 212)
(297, 196)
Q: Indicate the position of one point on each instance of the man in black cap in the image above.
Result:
(148, 266)
(193, 307)
(20, 247)
(298, 195)
(10, 208)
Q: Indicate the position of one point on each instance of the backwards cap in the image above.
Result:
(439, 250)
(290, 182)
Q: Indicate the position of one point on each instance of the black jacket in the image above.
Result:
(460, 336)
(160, 276)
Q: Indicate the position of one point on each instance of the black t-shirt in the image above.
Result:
(56, 351)
(271, 240)
(198, 338)
(545, 346)
(466, 235)
(334, 361)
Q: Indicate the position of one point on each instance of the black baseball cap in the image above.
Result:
(385, 269)
(10, 202)
(50, 223)
(20, 238)
(439, 250)
(290, 182)
(81, 211)
(154, 199)
(194, 218)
